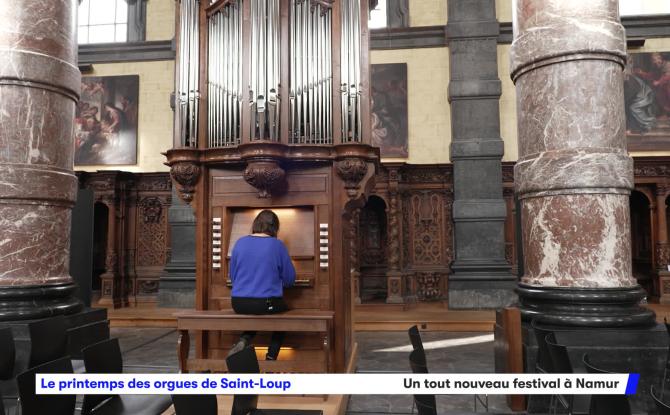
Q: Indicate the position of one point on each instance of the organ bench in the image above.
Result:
(307, 321)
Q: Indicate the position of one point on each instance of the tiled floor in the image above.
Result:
(152, 350)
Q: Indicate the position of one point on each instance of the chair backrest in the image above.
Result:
(244, 361)
(195, 404)
(415, 338)
(560, 360)
(589, 366)
(543, 361)
(417, 361)
(86, 335)
(425, 404)
(662, 407)
(31, 403)
(48, 340)
(7, 354)
(605, 404)
(101, 357)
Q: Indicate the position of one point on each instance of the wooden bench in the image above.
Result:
(308, 321)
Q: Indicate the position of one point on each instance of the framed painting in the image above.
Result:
(106, 121)
(389, 109)
(647, 101)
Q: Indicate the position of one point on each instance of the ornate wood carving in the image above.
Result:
(429, 286)
(393, 234)
(266, 176)
(151, 233)
(662, 256)
(152, 208)
(427, 174)
(352, 170)
(186, 175)
(426, 228)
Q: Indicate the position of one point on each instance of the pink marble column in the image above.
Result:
(574, 175)
(39, 87)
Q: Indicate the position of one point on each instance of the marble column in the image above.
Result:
(481, 276)
(39, 88)
(574, 176)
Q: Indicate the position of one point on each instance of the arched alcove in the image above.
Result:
(373, 243)
(641, 238)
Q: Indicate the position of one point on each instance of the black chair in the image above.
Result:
(7, 353)
(2, 406)
(105, 357)
(48, 340)
(7, 364)
(195, 404)
(543, 361)
(81, 337)
(560, 363)
(245, 361)
(605, 404)
(425, 404)
(662, 407)
(541, 403)
(415, 338)
(33, 404)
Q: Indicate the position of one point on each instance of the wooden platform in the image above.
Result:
(429, 316)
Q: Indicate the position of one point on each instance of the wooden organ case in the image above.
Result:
(272, 111)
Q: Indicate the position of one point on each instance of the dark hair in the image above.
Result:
(266, 222)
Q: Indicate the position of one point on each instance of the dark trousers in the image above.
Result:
(246, 305)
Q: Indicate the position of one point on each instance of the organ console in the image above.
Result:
(272, 111)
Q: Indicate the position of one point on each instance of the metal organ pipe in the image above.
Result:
(351, 74)
(187, 94)
(310, 90)
(311, 73)
(224, 75)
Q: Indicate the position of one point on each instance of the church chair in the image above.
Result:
(7, 362)
(195, 404)
(542, 365)
(605, 404)
(245, 361)
(425, 404)
(560, 363)
(105, 357)
(662, 407)
(48, 340)
(7, 353)
(415, 338)
(80, 337)
(33, 404)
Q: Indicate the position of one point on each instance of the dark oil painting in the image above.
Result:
(389, 108)
(647, 101)
(106, 121)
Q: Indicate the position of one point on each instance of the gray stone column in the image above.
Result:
(574, 176)
(39, 86)
(177, 283)
(481, 277)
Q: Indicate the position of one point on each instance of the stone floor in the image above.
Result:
(151, 350)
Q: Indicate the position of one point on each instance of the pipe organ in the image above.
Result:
(273, 112)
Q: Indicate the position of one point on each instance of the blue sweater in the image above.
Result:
(260, 267)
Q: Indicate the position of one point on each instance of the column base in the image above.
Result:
(176, 287)
(38, 301)
(586, 307)
(481, 294)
